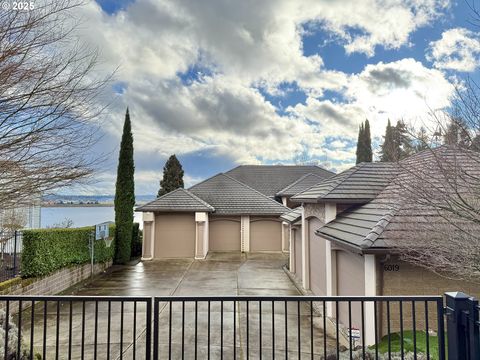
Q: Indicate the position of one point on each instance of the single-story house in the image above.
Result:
(234, 211)
(345, 236)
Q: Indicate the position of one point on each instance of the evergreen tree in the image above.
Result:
(124, 195)
(422, 141)
(389, 150)
(172, 176)
(397, 144)
(361, 135)
(457, 134)
(364, 143)
(368, 142)
(403, 141)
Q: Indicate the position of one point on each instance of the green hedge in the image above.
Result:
(47, 250)
(137, 239)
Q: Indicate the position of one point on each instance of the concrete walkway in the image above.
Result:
(220, 274)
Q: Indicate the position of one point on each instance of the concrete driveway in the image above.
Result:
(219, 328)
(219, 274)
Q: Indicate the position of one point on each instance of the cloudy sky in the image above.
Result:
(221, 82)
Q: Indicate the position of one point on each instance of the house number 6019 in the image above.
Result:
(391, 267)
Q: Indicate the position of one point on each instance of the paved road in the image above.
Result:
(219, 274)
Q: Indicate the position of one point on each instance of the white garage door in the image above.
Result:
(265, 234)
(224, 234)
(318, 283)
(174, 236)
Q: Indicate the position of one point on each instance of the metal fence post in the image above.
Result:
(474, 329)
(457, 329)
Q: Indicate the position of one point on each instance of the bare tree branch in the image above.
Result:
(48, 102)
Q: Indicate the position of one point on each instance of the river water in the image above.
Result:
(81, 216)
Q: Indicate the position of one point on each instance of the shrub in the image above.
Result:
(12, 339)
(47, 250)
(137, 239)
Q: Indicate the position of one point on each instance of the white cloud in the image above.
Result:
(458, 49)
(372, 23)
(403, 89)
(242, 46)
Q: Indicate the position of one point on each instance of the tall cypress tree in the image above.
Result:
(364, 143)
(388, 150)
(368, 142)
(359, 152)
(172, 176)
(124, 195)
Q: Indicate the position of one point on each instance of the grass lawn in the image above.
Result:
(408, 344)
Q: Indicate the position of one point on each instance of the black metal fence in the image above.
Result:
(73, 327)
(463, 326)
(239, 327)
(10, 254)
(248, 327)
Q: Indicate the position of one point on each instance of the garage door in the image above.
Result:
(298, 253)
(350, 281)
(174, 235)
(265, 235)
(224, 234)
(318, 283)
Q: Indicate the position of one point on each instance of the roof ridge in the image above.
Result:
(331, 179)
(357, 166)
(379, 227)
(195, 197)
(297, 181)
(256, 191)
(160, 197)
(183, 191)
(204, 180)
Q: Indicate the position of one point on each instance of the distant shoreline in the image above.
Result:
(75, 205)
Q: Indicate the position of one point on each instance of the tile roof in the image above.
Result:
(293, 215)
(231, 197)
(396, 213)
(360, 226)
(270, 179)
(358, 184)
(301, 184)
(177, 200)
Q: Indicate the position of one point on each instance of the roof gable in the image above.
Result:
(358, 184)
(177, 200)
(230, 197)
(270, 179)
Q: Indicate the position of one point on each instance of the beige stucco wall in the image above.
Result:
(298, 252)
(147, 240)
(314, 210)
(148, 235)
(199, 244)
(318, 276)
(285, 237)
(350, 282)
